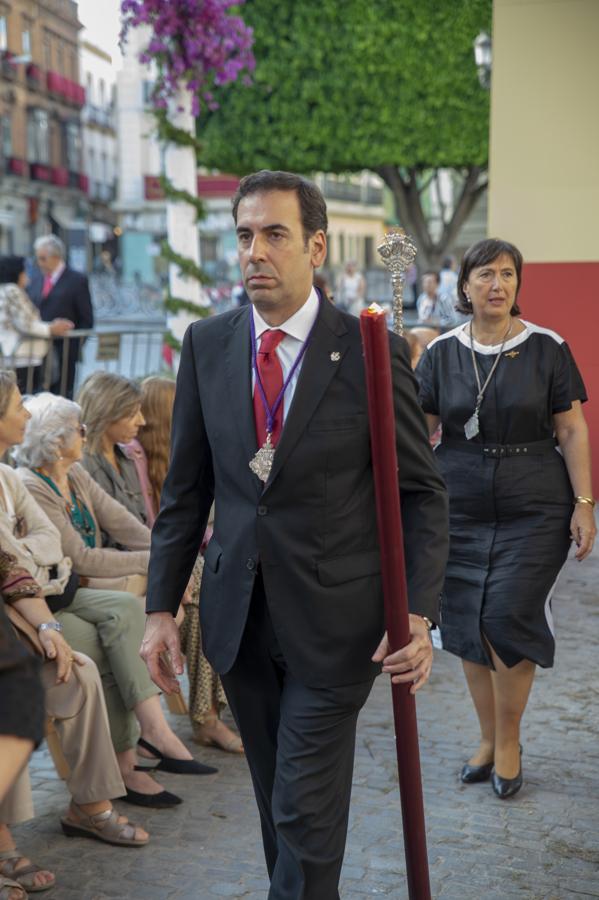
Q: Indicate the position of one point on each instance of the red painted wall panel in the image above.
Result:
(565, 297)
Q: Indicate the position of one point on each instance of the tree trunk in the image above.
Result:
(407, 196)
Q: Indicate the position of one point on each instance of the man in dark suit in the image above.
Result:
(291, 600)
(60, 292)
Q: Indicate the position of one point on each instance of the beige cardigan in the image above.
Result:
(27, 533)
(108, 515)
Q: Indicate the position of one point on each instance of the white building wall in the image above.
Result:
(100, 151)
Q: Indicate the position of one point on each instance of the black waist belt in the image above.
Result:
(533, 448)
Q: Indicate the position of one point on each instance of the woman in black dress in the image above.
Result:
(506, 392)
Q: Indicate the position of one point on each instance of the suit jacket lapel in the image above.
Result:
(321, 362)
(238, 365)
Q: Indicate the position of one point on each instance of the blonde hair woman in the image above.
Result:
(206, 695)
(111, 409)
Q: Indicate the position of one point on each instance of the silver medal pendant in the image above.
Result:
(261, 463)
(471, 428)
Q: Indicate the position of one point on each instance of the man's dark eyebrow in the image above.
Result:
(275, 227)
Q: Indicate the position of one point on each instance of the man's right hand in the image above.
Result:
(161, 651)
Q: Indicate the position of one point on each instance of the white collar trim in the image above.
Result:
(462, 333)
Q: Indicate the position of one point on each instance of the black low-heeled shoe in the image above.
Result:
(163, 800)
(175, 766)
(506, 787)
(474, 774)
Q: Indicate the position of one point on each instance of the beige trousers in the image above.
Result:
(80, 719)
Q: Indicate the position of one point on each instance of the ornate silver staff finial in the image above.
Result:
(397, 252)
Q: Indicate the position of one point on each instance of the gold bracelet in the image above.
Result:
(588, 500)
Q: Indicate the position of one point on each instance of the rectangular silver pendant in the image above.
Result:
(471, 428)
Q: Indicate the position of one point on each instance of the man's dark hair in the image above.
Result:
(10, 269)
(313, 209)
(434, 273)
(481, 254)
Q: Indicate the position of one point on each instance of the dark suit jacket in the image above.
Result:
(312, 527)
(68, 299)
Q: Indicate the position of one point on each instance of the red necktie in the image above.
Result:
(271, 376)
(47, 286)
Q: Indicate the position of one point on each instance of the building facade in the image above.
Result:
(544, 176)
(100, 151)
(139, 203)
(43, 184)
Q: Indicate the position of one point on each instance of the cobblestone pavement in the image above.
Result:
(543, 845)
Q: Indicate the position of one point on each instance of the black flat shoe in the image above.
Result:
(506, 787)
(163, 800)
(474, 774)
(175, 766)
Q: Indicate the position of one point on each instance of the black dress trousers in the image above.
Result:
(299, 743)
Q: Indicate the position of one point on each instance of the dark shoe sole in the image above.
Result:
(163, 800)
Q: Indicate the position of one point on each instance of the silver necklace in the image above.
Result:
(472, 428)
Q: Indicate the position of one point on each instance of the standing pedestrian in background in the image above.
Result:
(351, 290)
(60, 292)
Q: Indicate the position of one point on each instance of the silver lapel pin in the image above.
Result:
(335, 356)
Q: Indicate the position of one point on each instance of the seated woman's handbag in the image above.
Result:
(57, 602)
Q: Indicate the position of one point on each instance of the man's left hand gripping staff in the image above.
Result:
(161, 651)
(414, 661)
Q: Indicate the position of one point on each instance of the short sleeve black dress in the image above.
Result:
(510, 496)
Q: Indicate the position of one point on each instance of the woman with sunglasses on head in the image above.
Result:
(508, 395)
(104, 623)
(111, 409)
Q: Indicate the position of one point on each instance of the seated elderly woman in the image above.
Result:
(106, 624)
(73, 699)
(111, 409)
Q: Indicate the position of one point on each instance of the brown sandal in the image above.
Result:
(7, 886)
(24, 877)
(104, 826)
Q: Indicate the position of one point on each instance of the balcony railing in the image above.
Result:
(100, 190)
(102, 116)
(60, 176)
(206, 186)
(65, 89)
(8, 69)
(342, 190)
(34, 76)
(15, 166)
(40, 172)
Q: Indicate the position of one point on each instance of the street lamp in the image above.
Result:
(483, 57)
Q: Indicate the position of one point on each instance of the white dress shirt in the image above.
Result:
(297, 328)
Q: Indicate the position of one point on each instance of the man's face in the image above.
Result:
(47, 261)
(430, 285)
(277, 265)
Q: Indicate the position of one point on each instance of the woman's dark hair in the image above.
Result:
(313, 209)
(480, 254)
(10, 269)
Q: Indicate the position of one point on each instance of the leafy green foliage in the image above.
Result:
(344, 85)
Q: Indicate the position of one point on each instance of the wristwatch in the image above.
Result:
(49, 626)
(430, 625)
